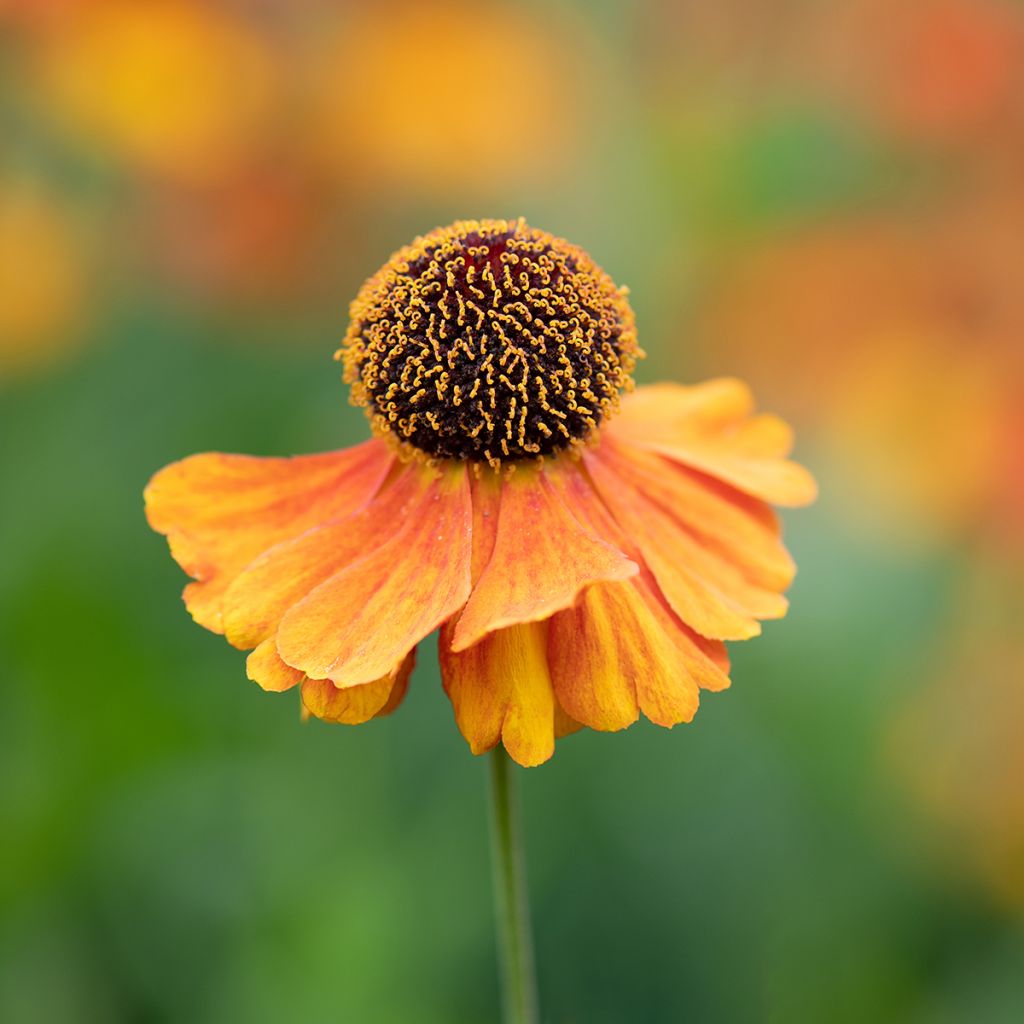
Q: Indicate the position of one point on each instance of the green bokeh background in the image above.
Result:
(177, 846)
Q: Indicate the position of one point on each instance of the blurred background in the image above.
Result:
(825, 197)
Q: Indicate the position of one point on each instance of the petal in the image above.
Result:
(704, 661)
(710, 428)
(610, 659)
(500, 688)
(353, 705)
(730, 522)
(486, 488)
(713, 404)
(358, 625)
(564, 725)
(282, 576)
(220, 511)
(705, 584)
(542, 558)
(264, 666)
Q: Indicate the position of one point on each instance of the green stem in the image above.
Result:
(515, 943)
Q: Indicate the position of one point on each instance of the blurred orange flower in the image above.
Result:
(583, 566)
(252, 240)
(901, 340)
(44, 275)
(174, 87)
(446, 97)
(932, 70)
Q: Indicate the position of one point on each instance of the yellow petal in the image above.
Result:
(264, 666)
(500, 689)
(353, 705)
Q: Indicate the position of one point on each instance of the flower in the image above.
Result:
(584, 556)
(184, 91)
(45, 269)
(953, 742)
(397, 83)
(932, 71)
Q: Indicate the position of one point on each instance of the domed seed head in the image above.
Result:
(489, 341)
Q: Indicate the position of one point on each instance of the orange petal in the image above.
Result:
(726, 520)
(220, 511)
(283, 575)
(710, 428)
(542, 558)
(500, 689)
(353, 705)
(703, 661)
(358, 625)
(705, 591)
(401, 687)
(713, 405)
(264, 666)
(564, 725)
(610, 657)
(486, 487)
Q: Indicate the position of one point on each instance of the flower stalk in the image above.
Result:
(512, 910)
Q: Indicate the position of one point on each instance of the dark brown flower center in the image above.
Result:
(489, 341)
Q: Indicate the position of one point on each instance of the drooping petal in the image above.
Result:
(264, 666)
(542, 558)
(703, 662)
(610, 659)
(726, 520)
(500, 689)
(564, 724)
(220, 511)
(353, 705)
(706, 589)
(282, 576)
(358, 625)
(710, 428)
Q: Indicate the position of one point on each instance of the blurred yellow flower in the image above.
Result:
(956, 744)
(42, 270)
(175, 87)
(915, 424)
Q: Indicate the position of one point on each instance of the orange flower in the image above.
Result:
(946, 71)
(584, 558)
(400, 83)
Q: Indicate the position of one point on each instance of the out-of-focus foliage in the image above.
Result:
(824, 198)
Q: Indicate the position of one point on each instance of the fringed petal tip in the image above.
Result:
(219, 512)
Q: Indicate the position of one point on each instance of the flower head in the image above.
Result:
(584, 554)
